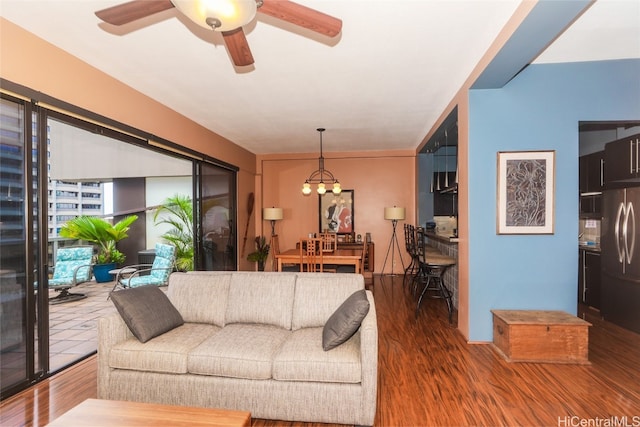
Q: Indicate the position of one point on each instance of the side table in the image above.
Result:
(118, 272)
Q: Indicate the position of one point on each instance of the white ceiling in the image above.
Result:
(381, 84)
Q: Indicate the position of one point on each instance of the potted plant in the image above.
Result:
(180, 218)
(96, 230)
(261, 253)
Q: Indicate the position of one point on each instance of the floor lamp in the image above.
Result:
(273, 215)
(394, 214)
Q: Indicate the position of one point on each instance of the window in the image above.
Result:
(66, 206)
(90, 206)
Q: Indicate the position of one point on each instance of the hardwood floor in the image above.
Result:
(429, 376)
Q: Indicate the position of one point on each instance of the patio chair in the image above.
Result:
(157, 274)
(73, 266)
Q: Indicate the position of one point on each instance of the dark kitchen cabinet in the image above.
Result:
(589, 279)
(622, 159)
(583, 167)
(591, 206)
(591, 184)
(592, 172)
(595, 175)
(445, 200)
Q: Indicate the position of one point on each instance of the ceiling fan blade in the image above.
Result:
(238, 47)
(302, 16)
(132, 11)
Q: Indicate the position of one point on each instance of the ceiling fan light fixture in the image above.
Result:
(228, 17)
(221, 15)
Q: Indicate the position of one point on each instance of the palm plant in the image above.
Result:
(97, 230)
(178, 214)
(261, 253)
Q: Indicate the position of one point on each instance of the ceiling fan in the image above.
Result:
(228, 17)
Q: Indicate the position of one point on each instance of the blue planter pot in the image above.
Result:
(101, 272)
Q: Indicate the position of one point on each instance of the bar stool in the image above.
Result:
(433, 265)
(410, 246)
(420, 251)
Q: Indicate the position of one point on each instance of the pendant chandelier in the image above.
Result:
(321, 176)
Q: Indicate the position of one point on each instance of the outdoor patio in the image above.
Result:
(73, 326)
(73, 330)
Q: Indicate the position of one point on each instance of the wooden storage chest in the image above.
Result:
(541, 336)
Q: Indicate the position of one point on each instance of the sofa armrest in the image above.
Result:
(369, 361)
(111, 330)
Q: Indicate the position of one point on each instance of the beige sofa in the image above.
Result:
(251, 341)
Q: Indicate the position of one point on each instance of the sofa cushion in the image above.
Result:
(264, 298)
(238, 351)
(327, 291)
(147, 311)
(200, 298)
(165, 353)
(345, 321)
(302, 358)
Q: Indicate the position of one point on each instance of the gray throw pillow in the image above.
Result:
(147, 311)
(345, 321)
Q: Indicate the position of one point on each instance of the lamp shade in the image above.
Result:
(231, 14)
(394, 213)
(306, 188)
(272, 214)
(336, 188)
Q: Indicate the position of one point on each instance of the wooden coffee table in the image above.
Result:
(102, 413)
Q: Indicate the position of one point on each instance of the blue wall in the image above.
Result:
(538, 110)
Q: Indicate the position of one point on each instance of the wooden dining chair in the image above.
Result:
(311, 255)
(365, 249)
(329, 241)
(351, 268)
(329, 245)
(275, 250)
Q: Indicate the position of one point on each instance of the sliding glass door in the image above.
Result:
(19, 233)
(217, 228)
(54, 167)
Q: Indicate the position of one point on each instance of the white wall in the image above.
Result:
(77, 154)
(157, 190)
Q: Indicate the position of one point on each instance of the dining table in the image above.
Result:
(337, 257)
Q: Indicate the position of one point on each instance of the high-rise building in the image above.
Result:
(67, 199)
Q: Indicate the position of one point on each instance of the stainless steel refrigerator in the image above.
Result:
(620, 244)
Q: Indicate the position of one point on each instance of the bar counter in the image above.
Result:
(441, 238)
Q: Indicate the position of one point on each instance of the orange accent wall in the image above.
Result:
(379, 179)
